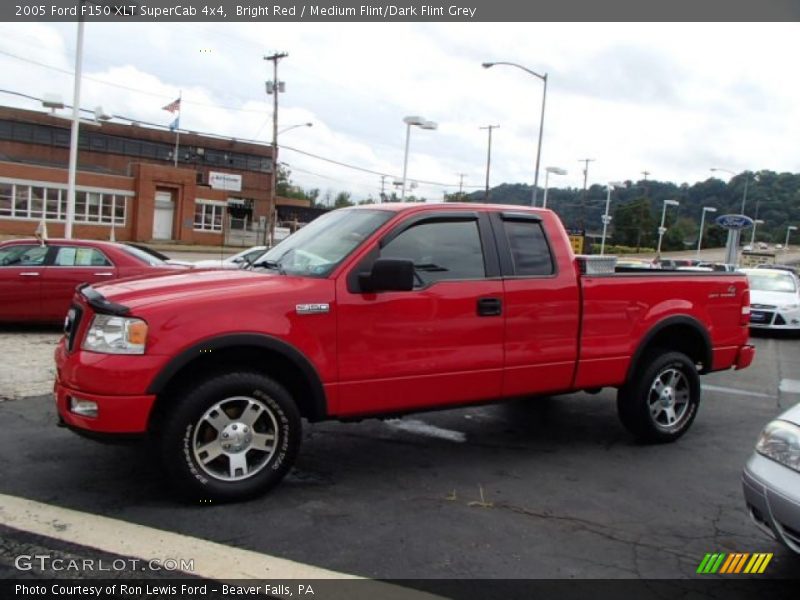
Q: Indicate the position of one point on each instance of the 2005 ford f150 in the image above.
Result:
(383, 310)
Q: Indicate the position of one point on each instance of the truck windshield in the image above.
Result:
(316, 249)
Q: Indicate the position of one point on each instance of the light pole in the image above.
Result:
(606, 217)
(285, 129)
(547, 171)
(746, 183)
(662, 230)
(789, 230)
(273, 87)
(488, 158)
(702, 227)
(487, 65)
(422, 124)
(756, 222)
(73, 138)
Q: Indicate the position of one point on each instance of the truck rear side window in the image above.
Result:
(529, 250)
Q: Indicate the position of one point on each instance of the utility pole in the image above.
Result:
(641, 213)
(488, 158)
(461, 186)
(274, 87)
(586, 162)
(383, 188)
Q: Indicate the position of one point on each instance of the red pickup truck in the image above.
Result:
(383, 310)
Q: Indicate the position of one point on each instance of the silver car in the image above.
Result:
(771, 479)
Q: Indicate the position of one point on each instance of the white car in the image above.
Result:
(774, 299)
(236, 261)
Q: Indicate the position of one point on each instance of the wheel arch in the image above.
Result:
(680, 333)
(264, 354)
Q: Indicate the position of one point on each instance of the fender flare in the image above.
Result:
(265, 342)
(684, 320)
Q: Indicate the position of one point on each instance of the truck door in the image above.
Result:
(541, 304)
(438, 344)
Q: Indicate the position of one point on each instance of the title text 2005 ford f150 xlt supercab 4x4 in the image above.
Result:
(383, 310)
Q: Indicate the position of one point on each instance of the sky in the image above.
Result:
(672, 99)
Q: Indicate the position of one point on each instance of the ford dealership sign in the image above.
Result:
(734, 221)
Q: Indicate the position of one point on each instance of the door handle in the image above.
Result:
(489, 307)
(103, 274)
(29, 274)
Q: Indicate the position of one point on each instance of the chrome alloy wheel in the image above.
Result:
(235, 438)
(669, 399)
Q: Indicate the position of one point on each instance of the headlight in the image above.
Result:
(110, 334)
(790, 307)
(780, 441)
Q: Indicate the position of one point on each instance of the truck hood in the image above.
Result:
(137, 292)
(772, 298)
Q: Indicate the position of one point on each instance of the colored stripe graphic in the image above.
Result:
(734, 563)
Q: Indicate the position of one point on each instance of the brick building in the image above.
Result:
(127, 180)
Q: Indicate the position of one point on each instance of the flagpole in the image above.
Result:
(178, 128)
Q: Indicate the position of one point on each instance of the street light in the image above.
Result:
(789, 230)
(702, 226)
(746, 183)
(606, 218)
(547, 171)
(487, 65)
(756, 222)
(422, 124)
(285, 129)
(662, 230)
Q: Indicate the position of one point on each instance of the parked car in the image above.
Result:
(237, 261)
(790, 268)
(720, 267)
(674, 263)
(771, 480)
(375, 311)
(774, 299)
(37, 281)
(159, 255)
(763, 246)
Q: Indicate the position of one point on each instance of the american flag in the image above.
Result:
(173, 106)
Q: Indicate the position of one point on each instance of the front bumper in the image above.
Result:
(115, 414)
(116, 384)
(772, 493)
(769, 317)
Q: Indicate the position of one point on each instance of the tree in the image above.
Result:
(634, 224)
(342, 200)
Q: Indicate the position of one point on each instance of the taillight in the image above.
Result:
(745, 318)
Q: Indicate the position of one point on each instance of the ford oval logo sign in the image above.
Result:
(734, 221)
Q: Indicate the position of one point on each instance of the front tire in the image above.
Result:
(660, 404)
(231, 437)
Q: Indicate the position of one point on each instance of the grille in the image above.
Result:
(779, 320)
(761, 317)
(72, 324)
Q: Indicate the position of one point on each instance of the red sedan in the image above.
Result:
(37, 281)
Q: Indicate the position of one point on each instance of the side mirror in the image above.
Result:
(388, 275)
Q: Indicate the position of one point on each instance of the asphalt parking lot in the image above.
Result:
(542, 488)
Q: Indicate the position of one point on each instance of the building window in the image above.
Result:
(208, 215)
(24, 201)
(6, 199)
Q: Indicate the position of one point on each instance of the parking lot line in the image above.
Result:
(735, 391)
(790, 386)
(211, 560)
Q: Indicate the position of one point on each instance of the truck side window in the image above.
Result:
(529, 249)
(440, 250)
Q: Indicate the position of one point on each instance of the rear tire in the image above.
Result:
(230, 437)
(660, 403)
